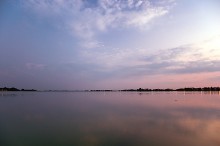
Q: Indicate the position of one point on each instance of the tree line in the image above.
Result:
(167, 89)
(15, 89)
(179, 89)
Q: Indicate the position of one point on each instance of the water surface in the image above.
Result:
(109, 119)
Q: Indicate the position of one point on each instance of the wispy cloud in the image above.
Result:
(86, 19)
(35, 66)
(193, 58)
(201, 57)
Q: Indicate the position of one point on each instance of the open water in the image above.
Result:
(109, 119)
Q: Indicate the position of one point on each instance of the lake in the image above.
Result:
(109, 119)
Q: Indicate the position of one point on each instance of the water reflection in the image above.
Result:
(115, 118)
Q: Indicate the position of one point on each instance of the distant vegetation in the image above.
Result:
(168, 89)
(125, 90)
(15, 89)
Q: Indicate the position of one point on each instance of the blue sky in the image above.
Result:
(109, 44)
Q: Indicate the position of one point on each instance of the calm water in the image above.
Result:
(109, 119)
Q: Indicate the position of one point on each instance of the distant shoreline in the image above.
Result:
(124, 90)
(15, 89)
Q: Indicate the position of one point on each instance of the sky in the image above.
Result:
(109, 44)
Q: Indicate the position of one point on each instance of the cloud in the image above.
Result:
(201, 57)
(128, 13)
(86, 19)
(34, 66)
(91, 44)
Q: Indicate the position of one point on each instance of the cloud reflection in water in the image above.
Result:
(99, 119)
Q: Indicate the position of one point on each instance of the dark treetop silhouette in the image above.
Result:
(15, 89)
(137, 90)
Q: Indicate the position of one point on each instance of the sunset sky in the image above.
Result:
(109, 44)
